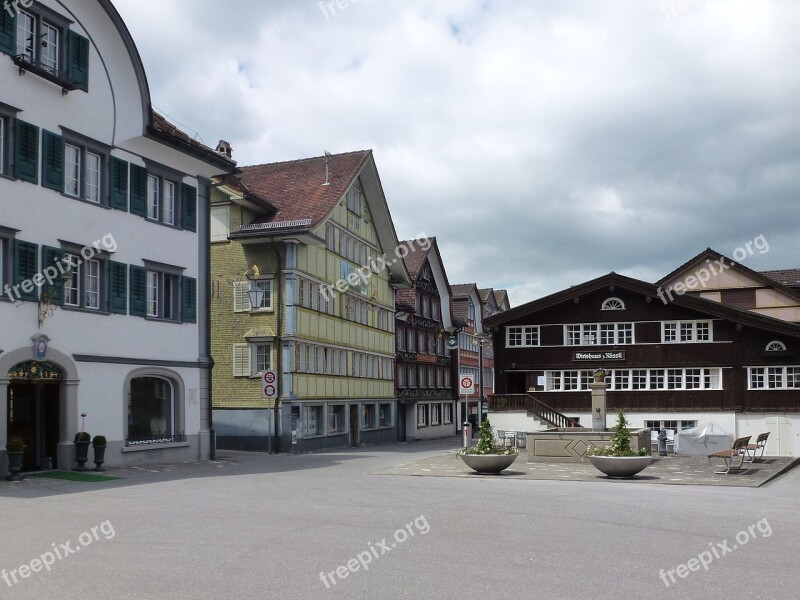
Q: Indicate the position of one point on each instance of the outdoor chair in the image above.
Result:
(761, 444)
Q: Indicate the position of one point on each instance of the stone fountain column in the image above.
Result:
(598, 405)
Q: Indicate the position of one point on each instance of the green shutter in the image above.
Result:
(117, 288)
(8, 31)
(52, 161)
(53, 286)
(26, 265)
(138, 293)
(26, 151)
(189, 299)
(138, 190)
(189, 207)
(78, 60)
(119, 184)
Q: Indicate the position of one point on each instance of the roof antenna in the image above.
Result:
(327, 168)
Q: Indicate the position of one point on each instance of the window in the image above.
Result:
(161, 295)
(638, 379)
(607, 334)
(436, 414)
(321, 360)
(522, 336)
(447, 413)
(313, 420)
(153, 197)
(422, 415)
(401, 376)
(384, 415)
(673, 425)
(355, 198)
(82, 172)
(369, 416)
(241, 295)
(263, 358)
(45, 46)
(613, 304)
(774, 378)
(775, 346)
(335, 418)
(686, 332)
(3, 138)
(412, 376)
(400, 339)
(83, 287)
(152, 411)
(220, 223)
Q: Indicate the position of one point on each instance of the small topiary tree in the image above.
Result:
(620, 442)
(486, 438)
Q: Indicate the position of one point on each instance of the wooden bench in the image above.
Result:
(738, 450)
(761, 444)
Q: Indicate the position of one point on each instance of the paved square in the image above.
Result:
(254, 526)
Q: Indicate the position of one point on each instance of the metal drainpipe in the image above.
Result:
(276, 445)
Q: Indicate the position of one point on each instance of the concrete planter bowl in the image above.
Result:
(620, 466)
(488, 463)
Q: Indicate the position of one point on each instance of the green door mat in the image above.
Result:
(72, 476)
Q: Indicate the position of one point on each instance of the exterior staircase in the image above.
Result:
(546, 414)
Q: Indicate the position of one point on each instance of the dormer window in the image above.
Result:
(613, 304)
(776, 346)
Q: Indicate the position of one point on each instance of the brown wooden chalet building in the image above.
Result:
(425, 376)
(679, 353)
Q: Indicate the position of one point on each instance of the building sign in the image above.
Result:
(34, 370)
(269, 387)
(608, 355)
(466, 384)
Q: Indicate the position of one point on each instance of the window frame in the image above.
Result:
(529, 336)
(176, 409)
(175, 275)
(321, 420)
(422, 415)
(678, 327)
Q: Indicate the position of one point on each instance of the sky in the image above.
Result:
(543, 142)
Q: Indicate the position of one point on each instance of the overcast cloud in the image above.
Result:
(543, 142)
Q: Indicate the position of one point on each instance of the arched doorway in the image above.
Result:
(34, 411)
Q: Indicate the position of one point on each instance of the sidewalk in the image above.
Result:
(672, 470)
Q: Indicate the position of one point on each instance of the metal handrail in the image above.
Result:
(540, 410)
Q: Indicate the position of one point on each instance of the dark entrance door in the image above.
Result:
(33, 415)
(516, 383)
(354, 424)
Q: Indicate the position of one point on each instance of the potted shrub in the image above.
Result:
(99, 445)
(82, 441)
(618, 459)
(599, 375)
(485, 457)
(15, 447)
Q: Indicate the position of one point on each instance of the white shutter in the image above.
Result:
(241, 360)
(241, 299)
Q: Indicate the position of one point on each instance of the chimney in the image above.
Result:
(225, 149)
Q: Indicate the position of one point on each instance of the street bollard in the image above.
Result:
(466, 434)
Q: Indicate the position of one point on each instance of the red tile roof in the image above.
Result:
(163, 128)
(296, 187)
(787, 277)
